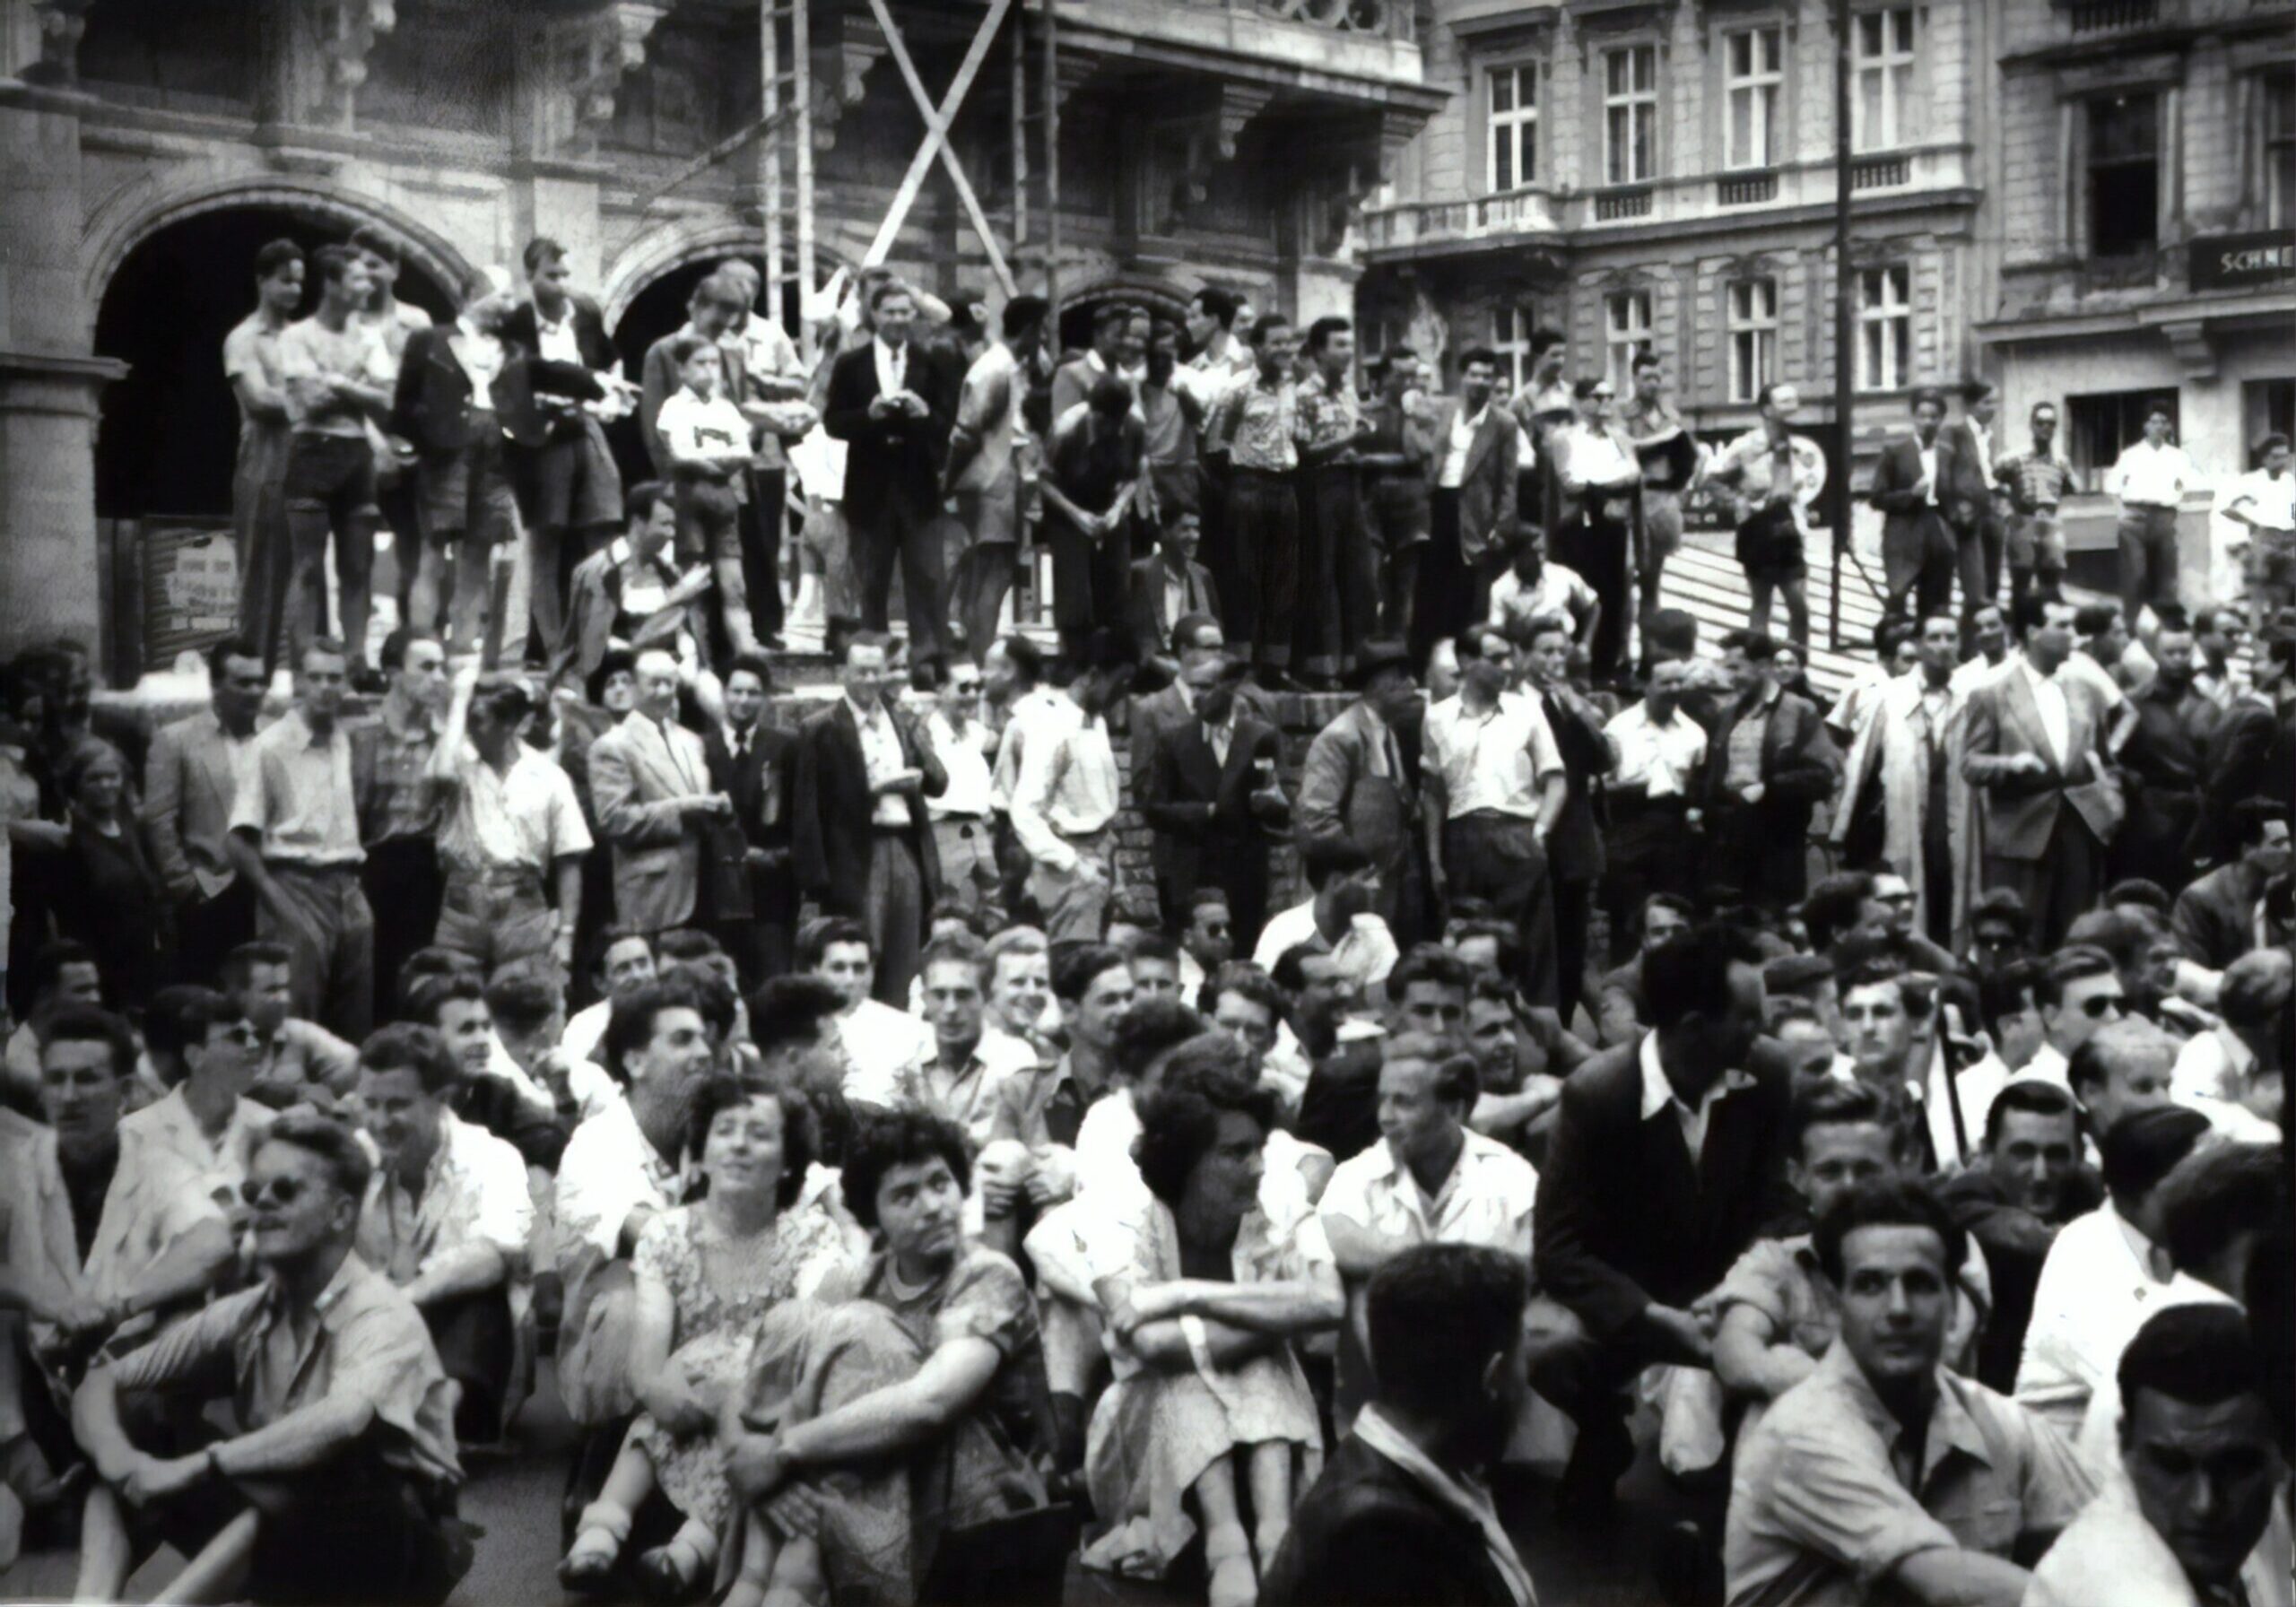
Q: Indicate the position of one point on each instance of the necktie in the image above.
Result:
(1393, 756)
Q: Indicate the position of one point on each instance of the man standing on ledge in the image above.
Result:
(1254, 427)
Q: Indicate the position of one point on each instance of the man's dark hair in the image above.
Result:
(1545, 340)
(377, 241)
(336, 1147)
(274, 256)
(1266, 324)
(2137, 893)
(639, 502)
(2216, 1195)
(815, 938)
(1219, 305)
(1320, 331)
(683, 945)
(2145, 1146)
(1689, 972)
(49, 964)
(1438, 1314)
(522, 1004)
(331, 263)
(1111, 315)
(686, 348)
(1505, 935)
(2030, 613)
(2250, 816)
(1074, 971)
(86, 1024)
(239, 965)
(1023, 312)
(1291, 972)
(2094, 619)
(1247, 981)
(1769, 393)
(1429, 963)
(885, 290)
(1478, 354)
(1886, 1203)
(410, 1047)
(2028, 1096)
(427, 999)
(1150, 1028)
(2076, 962)
(220, 653)
(1321, 858)
(1645, 358)
(1153, 947)
(1111, 396)
(1926, 396)
(906, 1135)
(1827, 1103)
(2199, 1353)
(426, 963)
(1180, 1122)
(791, 1010)
(177, 1017)
(799, 1143)
(630, 1019)
(1027, 657)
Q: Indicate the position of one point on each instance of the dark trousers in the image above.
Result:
(1574, 908)
(330, 937)
(352, 1530)
(2148, 557)
(401, 506)
(1585, 1378)
(207, 929)
(405, 890)
(473, 1336)
(1601, 550)
(1749, 860)
(762, 946)
(764, 517)
(1498, 858)
(1445, 604)
(1919, 564)
(893, 909)
(1650, 851)
(2059, 886)
(330, 493)
(1339, 574)
(1264, 536)
(902, 528)
(1972, 568)
(1217, 553)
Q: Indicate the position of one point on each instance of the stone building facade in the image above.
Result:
(149, 147)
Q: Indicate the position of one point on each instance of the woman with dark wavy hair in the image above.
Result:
(1202, 1301)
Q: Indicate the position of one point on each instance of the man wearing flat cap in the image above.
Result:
(1361, 781)
(512, 830)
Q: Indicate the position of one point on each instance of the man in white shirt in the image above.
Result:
(1339, 917)
(2106, 1271)
(206, 1121)
(963, 831)
(624, 959)
(878, 1039)
(1065, 797)
(984, 469)
(1494, 784)
(961, 1076)
(1534, 585)
(1429, 1180)
(1661, 756)
(447, 1216)
(2150, 478)
(1601, 477)
(2264, 501)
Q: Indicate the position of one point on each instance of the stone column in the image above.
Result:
(49, 385)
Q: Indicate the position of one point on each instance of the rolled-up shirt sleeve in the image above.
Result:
(195, 1356)
(1839, 1504)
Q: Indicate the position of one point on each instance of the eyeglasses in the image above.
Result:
(2097, 1008)
(283, 1190)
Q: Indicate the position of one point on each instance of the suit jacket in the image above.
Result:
(759, 783)
(1487, 491)
(1348, 788)
(431, 405)
(2250, 753)
(520, 328)
(1368, 1535)
(187, 790)
(1167, 708)
(1202, 810)
(526, 376)
(2163, 760)
(2020, 812)
(2215, 918)
(593, 606)
(1624, 1218)
(1799, 765)
(638, 771)
(889, 457)
(830, 835)
(1904, 516)
(1964, 496)
(1574, 847)
(1144, 604)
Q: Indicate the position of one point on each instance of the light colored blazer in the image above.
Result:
(638, 771)
(1889, 750)
(188, 779)
(2020, 812)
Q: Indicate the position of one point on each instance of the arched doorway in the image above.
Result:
(1077, 311)
(657, 311)
(171, 427)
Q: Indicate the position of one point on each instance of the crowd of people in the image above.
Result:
(901, 1204)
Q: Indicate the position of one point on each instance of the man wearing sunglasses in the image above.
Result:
(341, 1483)
(206, 1121)
(2079, 992)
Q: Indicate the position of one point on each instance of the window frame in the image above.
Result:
(1755, 365)
(1514, 350)
(1641, 105)
(2275, 85)
(1762, 85)
(2085, 174)
(1896, 105)
(1876, 319)
(1623, 341)
(2084, 421)
(1518, 126)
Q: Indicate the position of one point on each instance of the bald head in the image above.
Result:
(2124, 1066)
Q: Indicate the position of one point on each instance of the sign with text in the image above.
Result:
(2235, 261)
(191, 586)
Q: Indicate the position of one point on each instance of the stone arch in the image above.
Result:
(670, 246)
(134, 213)
(1161, 297)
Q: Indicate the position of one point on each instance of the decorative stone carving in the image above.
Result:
(60, 23)
(840, 71)
(585, 59)
(2196, 353)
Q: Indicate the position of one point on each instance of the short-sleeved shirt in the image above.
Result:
(1558, 590)
(398, 802)
(609, 1170)
(523, 820)
(308, 349)
(1780, 1278)
(294, 792)
(1365, 952)
(1494, 760)
(696, 429)
(879, 1041)
(1660, 761)
(475, 1190)
(152, 1201)
(971, 1098)
(168, 1126)
(1329, 413)
(1820, 1513)
(1485, 1201)
(983, 1296)
(369, 1345)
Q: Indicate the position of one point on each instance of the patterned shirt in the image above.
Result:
(1257, 425)
(1329, 413)
(524, 819)
(397, 801)
(2037, 482)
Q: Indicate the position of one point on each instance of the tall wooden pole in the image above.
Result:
(801, 85)
(1052, 165)
(769, 152)
(1845, 316)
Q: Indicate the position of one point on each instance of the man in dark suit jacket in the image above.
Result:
(1758, 826)
(893, 407)
(1164, 589)
(753, 764)
(570, 493)
(1212, 811)
(1472, 509)
(1361, 782)
(1399, 1515)
(2215, 919)
(1911, 485)
(862, 844)
(461, 477)
(1979, 534)
(1668, 1159)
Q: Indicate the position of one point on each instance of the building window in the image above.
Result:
(1510, 337)
(1626, 319)
(1881, 112)
(1514, 123)
(2100, 427)
(1885, 327)
(2279, 96)
(1752, 80)
(1631, 114)
(2123, 174)
(1754, 337)
(2268, 407)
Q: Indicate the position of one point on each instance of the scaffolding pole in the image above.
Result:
(1052, 164)
(769, 152)
(801, 61)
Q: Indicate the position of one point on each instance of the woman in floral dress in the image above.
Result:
(706, 1275)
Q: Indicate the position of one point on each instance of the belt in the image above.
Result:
(306, 867)
(1279, 475)
(1632, 806)
(515, 877)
